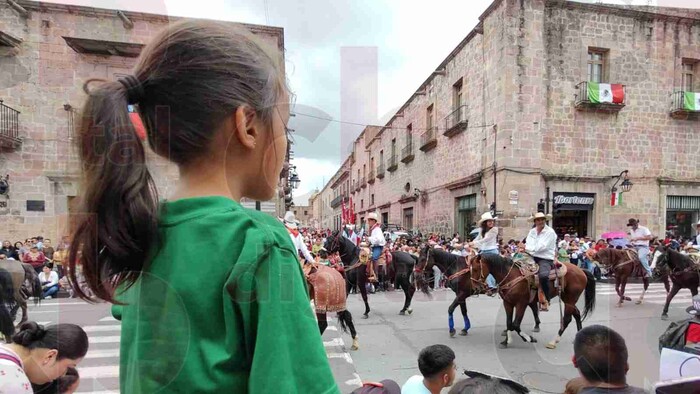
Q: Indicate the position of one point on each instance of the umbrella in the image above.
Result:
(619, 242)
(613, 235)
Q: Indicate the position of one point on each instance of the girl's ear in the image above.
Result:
(245, 126)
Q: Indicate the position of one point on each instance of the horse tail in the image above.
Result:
(33, 278)
(342, 316)
(7, 326)
(589, 295)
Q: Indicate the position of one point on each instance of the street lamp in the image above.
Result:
(626, 184)
(294, 181)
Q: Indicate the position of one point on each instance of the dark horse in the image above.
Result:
(459, 280)
(400, 270)
(683, 272)
(516, 292)
(13, 293)
(623, 263)
(355, 273)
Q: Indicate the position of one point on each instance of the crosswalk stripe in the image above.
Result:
(110, 339)
(108, 318)
(346, 356)
(102, 353)
(333, 342)
(102, 328)
(108, 371)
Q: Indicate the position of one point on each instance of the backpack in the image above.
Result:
(674, 336)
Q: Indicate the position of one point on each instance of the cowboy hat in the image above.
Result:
(632, 222)
(486, 216)
(539, 215)
(290, 220)
(373, 216)
(697, 224)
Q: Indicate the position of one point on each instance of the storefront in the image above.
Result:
(682, 212)
(573, 213)
(465, 215)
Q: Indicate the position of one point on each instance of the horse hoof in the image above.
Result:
(409, 310)
(463, 333)
(402, 313)
(536, 329)
(503, 333)
(628, 299)
(355, 345)
(551, 345)
(452, 333)
(503, 345)
(533, 340)
(638, 302)
(664, 317)
(365, 316)
(619, 305)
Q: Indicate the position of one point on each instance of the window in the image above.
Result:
(409, 134)
(408, 218)
(306, 213)
(457, 94)
(596, 65)
(371, 200)
(393, 147)
(688, 83)
(381, 157)
(364, 170)
(429, 117)
(362, 203)
(371, 164)
(295, 212)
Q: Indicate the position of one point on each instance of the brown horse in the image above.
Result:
(327, 289)
(515, 289)
(681, 269)
(623, 263)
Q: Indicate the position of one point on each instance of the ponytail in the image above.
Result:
(70, 340)
(117, 224)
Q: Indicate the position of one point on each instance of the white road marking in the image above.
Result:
(110, 339)
(102, 353)
(354, 382)
(108, 318)
(102, 328)
(334, 342)
(109, 371)
(346, 356)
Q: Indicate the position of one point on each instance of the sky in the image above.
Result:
(410, 39)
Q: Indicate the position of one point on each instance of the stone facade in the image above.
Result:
(42, 77)
(303, 213)
(518, 71)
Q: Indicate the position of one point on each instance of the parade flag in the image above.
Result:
(691, 101)
(605, 93)
(351, 209)
(616, 199)
(344, 212)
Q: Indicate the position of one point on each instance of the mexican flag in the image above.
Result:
(605, 93)
(616, 199)
(691, 101)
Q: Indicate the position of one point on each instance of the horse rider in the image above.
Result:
(487, 243)
(291, 223)
(350, 234)
(376, 237)
(697, 236)
(640, 237)
(541, 244)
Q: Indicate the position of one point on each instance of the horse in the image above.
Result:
(7, 303)
(681, 269)
(515, 290)
(400, 270)
(327, 289)
(622, 263)
(22, 273)
(350, 256)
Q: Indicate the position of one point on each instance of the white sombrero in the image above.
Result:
(539, 215)
(373, 216)
(486, 216)
(290, 220)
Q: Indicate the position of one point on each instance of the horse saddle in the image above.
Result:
(13, 267)
(328, 289)
(559, 272)
(695, 257)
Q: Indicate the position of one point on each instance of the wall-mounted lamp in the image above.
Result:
(626, 184)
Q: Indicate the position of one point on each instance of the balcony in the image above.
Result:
(370, 177)
(600, 97)
(336, 202)
(407, 155)
(363, 182)
(357, 185)
(456, 122)
(9, 127)
(393, 164)
(428, 140)
(380, 171)
(352, 157)
(685, 105)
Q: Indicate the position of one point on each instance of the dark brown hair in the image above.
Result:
(70, 340)
(191, 77)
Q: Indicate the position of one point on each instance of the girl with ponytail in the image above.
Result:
(213, 101)
(39, 355)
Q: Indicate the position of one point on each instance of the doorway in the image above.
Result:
(572, 222)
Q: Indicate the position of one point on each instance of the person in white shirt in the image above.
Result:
(541, 244)
(438, 370)
(487, 241)
(376, 236)
(697, 237)
(290, 223)
(49, 282)
(350, 234)
(640, 237)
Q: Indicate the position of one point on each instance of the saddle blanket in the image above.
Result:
(328, 289)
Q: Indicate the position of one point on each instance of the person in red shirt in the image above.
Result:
(35, 258)
(601, 244)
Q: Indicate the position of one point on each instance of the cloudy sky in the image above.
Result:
(410, 40)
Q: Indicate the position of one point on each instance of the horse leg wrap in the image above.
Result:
(451, 323)
(509, 337)
(467, 323)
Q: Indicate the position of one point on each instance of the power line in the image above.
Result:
(383, 127)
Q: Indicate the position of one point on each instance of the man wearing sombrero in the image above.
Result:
(640, 237)
(541, 244)
(376, 236)
(290, 222)
(697, 234)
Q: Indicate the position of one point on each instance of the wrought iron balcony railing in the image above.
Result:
(407, 153)
(9, 126)
(456, 122)
(428, 140)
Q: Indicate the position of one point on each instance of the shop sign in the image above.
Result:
(513, 197)
(574, 199)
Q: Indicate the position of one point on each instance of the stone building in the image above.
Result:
(47, 52)
(521, 112)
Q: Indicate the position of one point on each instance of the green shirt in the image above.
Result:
(222, 307)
